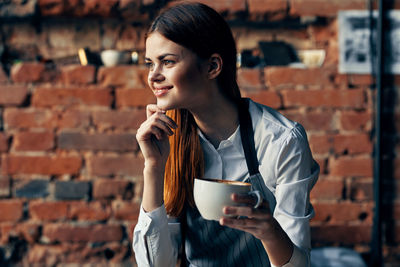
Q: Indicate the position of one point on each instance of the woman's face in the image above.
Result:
(177, 77)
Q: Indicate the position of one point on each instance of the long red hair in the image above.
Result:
(185, 162)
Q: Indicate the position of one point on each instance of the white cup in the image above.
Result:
(112, 57)
(211, 195)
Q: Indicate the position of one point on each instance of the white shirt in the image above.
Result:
(287, 168)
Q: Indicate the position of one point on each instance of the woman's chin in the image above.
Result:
(164, 105)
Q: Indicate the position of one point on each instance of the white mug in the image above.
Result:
(211, 195)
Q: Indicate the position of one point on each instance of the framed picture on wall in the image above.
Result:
(358, 40)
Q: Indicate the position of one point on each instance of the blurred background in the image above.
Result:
(73, 92)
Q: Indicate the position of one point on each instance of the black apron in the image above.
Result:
(206, 242)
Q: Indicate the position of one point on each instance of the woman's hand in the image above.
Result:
(152, 136)
(260, 223)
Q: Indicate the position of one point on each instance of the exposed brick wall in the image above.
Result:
(70, 167)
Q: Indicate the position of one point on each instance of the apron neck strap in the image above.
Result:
(247, 136)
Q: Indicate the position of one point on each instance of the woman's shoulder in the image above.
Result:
(270, 118)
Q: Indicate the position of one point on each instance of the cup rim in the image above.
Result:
(239, 183)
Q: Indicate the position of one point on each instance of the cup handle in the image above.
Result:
(257, 194)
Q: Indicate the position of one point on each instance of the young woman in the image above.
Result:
(196, 130)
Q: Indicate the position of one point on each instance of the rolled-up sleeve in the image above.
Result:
(297, 173)
(153, 242)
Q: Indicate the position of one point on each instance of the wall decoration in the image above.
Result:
(357, 43)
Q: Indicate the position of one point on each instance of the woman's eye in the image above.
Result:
(168, 62)
(149, 64)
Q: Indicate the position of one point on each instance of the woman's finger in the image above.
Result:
(151, 109)
(167, 120)
(246, 211)
(249, 200)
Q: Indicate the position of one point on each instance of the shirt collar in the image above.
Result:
(235, 139)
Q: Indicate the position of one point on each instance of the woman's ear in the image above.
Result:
(214, 66)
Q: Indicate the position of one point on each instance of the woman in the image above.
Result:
(193, 131)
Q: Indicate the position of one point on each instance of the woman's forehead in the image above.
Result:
(157, 44)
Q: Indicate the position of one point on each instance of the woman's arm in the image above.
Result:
(152, 240)
(285, 234)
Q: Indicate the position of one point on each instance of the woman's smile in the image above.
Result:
(161, 91)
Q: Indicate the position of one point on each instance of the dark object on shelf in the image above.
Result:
(247, 59)
(278, 54)
(87, 57)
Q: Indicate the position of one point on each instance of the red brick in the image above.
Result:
(251, 78)
(324, 33)
(343, 212)
(97, 8)
(320, 144)
(79, 254)
(29, 232)
(11, 210)
(29, 118)
(351, 166)
(264, 6)
(119, 119)
(5, 186)
(324, 98)
(331, 56)
(48, 211)
(223, 6)
(51, 7)
(88, 233)
(123, 76)
(134, 97)
(322, 162)
(3, 142)
(341, 234)
(13, 95)
(110, 142)
(327, 189)
(313, 120)
(77, 74)
(49, 255)
(279, 76)
(111, 188)
(268, 98)
(33, 141)
(128, 37)
(50, 97)
(124, 165)
(124, 210)
(323, 8)
(74, 119)
(92, 211)
(361, 190)
(354, 120)
(47, 165)
(27, 72)
(352, 144)
(393, 210)
(361, 80)
(3, 76)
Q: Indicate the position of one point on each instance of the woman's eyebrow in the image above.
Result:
(161, 57)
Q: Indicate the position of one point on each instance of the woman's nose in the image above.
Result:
(155, 75)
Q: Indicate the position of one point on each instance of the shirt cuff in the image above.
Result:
(151, 222)
(299, 258)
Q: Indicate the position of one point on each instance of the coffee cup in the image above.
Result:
(211, 195)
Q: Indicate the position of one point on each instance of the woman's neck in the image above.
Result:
(218, 119)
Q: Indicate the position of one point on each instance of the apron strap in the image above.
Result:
(247, 135)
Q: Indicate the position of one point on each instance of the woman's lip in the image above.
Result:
(161, 90)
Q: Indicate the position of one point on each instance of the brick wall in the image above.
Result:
(70, 167)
